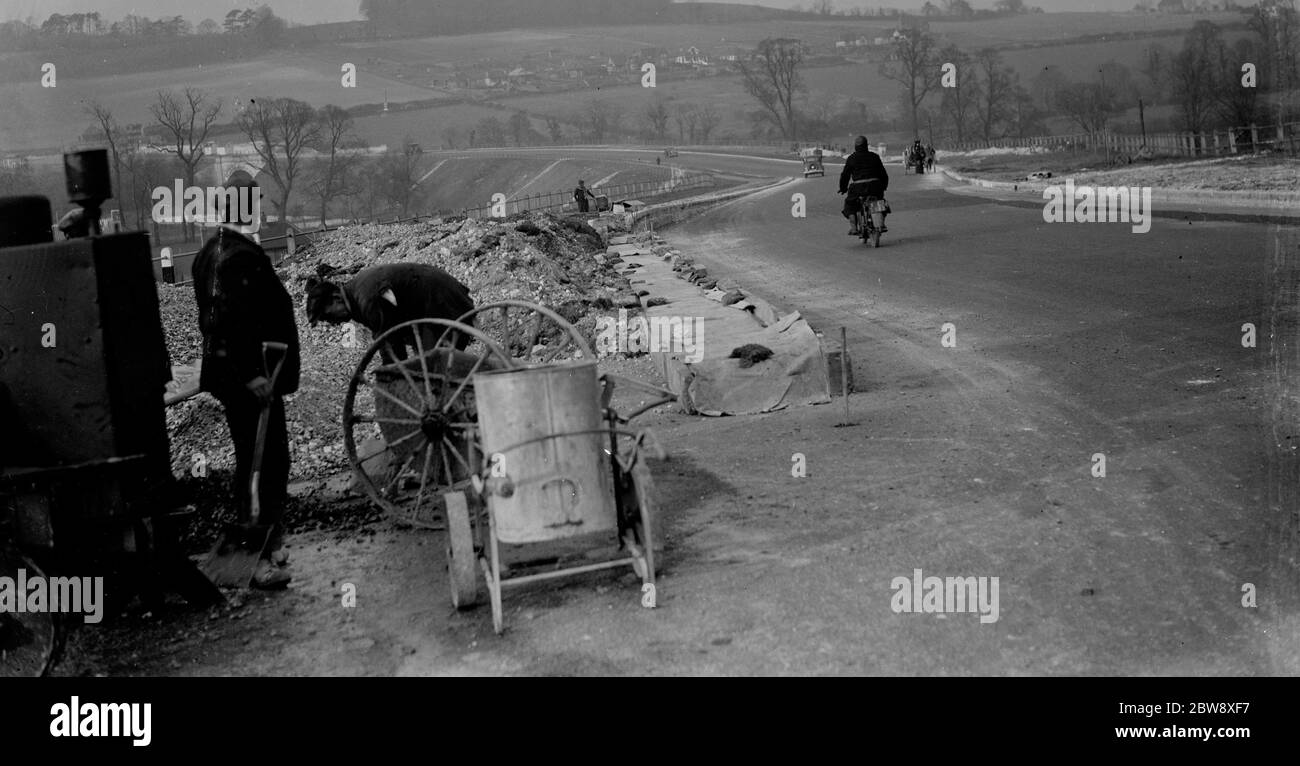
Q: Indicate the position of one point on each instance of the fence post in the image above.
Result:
(168, 266)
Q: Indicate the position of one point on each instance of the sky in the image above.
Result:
(315, 11)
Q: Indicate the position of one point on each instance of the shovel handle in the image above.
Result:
(263, 422)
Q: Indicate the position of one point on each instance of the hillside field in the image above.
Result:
(41, 118)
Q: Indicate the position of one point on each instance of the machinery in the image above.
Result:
(84, 462)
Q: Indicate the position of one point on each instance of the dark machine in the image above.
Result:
(85, 475)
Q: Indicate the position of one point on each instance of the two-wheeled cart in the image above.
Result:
(509, 444)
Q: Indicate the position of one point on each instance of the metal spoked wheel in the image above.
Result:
(410, 425)
(28, 640)
(529, 333)
(642, 543)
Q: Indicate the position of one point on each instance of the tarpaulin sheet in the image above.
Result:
(708, 380)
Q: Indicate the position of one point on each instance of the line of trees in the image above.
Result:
(459, 16)
(303, 151)
(259, 25)
(1213, 83)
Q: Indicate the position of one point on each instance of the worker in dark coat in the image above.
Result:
(242, 303)
(382, 297)
(581, 195)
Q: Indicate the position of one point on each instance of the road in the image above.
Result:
(1072, 340)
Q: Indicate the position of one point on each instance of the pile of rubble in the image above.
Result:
(554, 261)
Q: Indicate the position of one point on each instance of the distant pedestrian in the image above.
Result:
(581, 194)
(929, 157)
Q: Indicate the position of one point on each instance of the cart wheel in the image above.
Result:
(28, 640)
(462, 569)
(645, 527)
(423, 410)
(494, 591)
(529, 333)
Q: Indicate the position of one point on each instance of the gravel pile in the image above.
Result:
(539, 257)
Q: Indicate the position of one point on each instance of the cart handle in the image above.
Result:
(640, 439)
(609, 380)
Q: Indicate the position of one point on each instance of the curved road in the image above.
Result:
(1071, 340)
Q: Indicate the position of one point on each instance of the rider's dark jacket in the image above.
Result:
(864, 163)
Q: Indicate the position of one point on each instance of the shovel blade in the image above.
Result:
(233, 560)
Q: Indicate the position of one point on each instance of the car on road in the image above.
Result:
(670, 152)
(812, 163)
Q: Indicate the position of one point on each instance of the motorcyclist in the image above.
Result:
(863, 166)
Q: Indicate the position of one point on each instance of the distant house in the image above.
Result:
(691, 57)
(1171, 6)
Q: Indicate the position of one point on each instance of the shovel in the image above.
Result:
(234, 559)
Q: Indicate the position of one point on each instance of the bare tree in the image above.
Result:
(1026, 119)
(656, 115)
(1195, 76)
(773, 79)
(1277, 26)
(112, 132)
(1088, 104)
(601, 119)
(279, 130)
(520, 127)
(709, 119)
(333, 137)
(187, 120)
(400, 173)
(1238, 106)
(958, 103)
(996, 93)
(915, 65)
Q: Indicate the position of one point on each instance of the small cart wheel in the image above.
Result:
(646, 524)
(462, 568)
(28, 640)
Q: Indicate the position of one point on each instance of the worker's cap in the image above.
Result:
(320, 294)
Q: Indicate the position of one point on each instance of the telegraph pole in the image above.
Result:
(1143, 119)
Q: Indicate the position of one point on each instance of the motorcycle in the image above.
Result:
(869, 219)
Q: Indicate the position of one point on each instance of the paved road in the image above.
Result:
(1071, 340)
